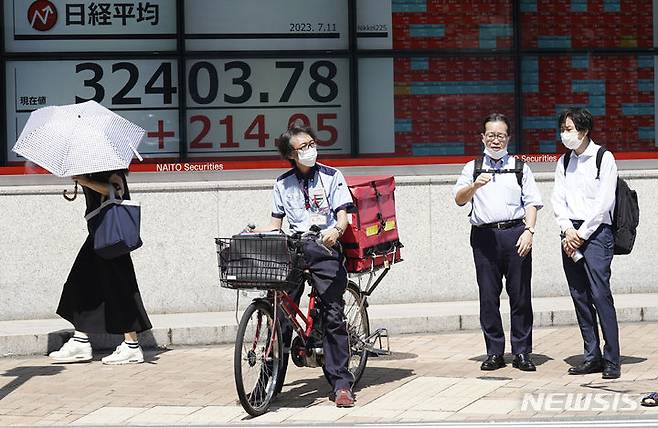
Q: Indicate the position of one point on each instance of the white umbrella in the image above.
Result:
(79, 139)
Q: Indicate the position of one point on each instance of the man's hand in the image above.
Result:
(569, 252)
(481, 180)
(330, 238)
(275, 224)
(571, 240)
(524, 244)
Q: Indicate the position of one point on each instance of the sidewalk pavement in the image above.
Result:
(25, 337)
(429, 377)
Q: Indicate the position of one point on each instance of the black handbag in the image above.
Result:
(116, 225)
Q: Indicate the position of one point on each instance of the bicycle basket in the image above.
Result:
(255, 261)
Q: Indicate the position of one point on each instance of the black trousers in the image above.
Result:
(495, 255)
(589, 285)
(329, 278)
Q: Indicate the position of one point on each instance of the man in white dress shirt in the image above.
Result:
(584, 201)
(505, 200)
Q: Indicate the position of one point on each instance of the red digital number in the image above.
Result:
(257, 130)
(229, 144)
(322, 126)
(298, 117)
(261, 136)
(197, 142)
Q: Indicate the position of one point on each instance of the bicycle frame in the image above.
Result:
(282, 300)
(292, 311)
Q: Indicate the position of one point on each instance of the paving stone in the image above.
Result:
(110, 415)
(488, 406)
(428, 378)
(213, 415)
(161, 415)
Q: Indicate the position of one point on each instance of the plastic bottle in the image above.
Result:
(576, 256)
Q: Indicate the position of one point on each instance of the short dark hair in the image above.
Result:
(581, 117)
(283, 142)
(496, 117)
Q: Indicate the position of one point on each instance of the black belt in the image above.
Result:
(501, 224)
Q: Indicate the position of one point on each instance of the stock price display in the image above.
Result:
(143, 91)
(235, 107)
(239, 107)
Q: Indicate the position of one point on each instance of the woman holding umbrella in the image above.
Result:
(95, 146)
(101, 295)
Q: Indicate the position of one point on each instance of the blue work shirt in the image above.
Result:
(311, 199)
(501, 199)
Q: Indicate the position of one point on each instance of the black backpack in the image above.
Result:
(518, 170)
(626, 217)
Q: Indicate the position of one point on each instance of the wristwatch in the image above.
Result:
(530, 229)
(339, 229)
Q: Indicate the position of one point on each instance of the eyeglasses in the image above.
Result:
(307, 145)
(493, 136)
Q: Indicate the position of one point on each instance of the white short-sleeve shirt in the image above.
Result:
(502, 199)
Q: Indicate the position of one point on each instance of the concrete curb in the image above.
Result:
(28, 337)
(53, 186)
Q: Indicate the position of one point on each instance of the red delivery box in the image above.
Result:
(371, 239)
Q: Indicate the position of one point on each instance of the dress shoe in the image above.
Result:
(344, 398)
(493, 362)
(586, 368)
(524, 363)
(611, 371)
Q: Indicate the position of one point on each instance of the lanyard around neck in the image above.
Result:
(303, 183)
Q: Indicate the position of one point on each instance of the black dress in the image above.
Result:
(101, 296)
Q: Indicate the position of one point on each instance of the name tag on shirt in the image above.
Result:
(318, 215)
(318, 219)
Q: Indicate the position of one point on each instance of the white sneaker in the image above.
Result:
(72, 352)
(124, 354)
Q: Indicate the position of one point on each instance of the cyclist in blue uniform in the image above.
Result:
(315, 194)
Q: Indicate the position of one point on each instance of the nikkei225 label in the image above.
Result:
(238, 107)
(143, 91)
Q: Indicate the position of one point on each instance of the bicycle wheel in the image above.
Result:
(358, 328)
(257, 358)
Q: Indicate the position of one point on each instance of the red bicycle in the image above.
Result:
(269, 263)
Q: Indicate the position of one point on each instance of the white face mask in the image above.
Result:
(308, 156)
(495, 154)
(570, 140)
